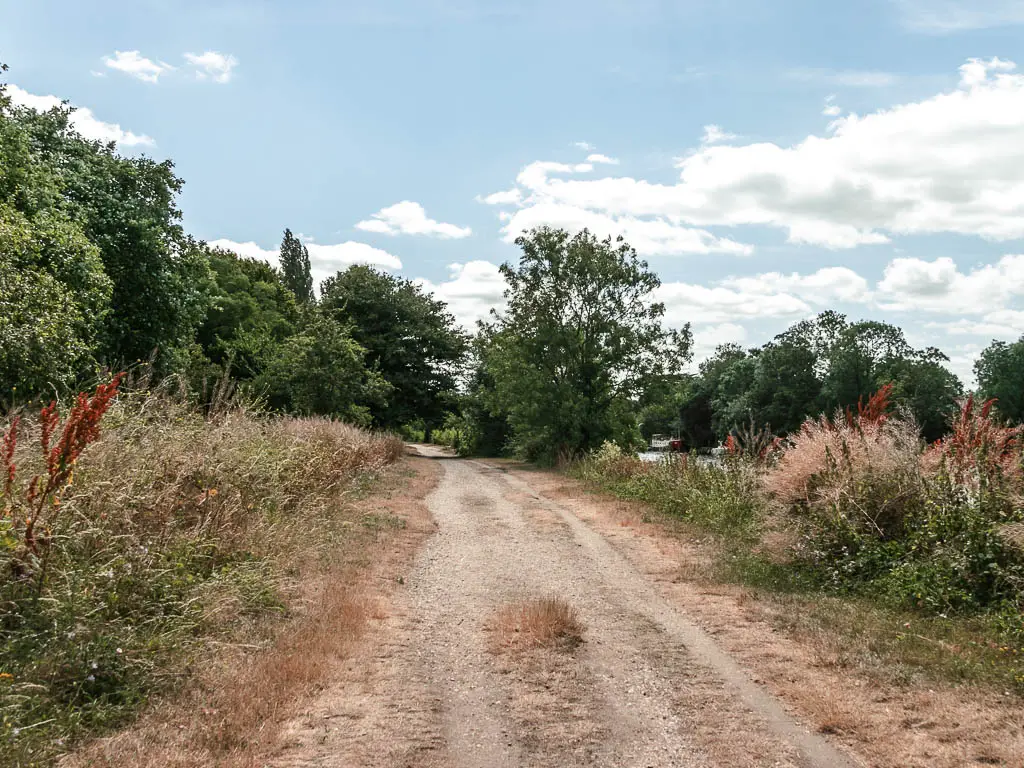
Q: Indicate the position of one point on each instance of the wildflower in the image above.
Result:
(7, 446)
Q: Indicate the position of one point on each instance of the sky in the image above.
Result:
(768, 158)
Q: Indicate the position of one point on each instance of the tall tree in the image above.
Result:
(251, 314)
(127, 208)
(579, 344)
(409, 337)
(296, 268)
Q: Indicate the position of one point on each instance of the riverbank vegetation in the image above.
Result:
(858, 506)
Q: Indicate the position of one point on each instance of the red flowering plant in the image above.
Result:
(32, 512)
(979, 450)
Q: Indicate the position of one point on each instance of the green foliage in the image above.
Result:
(881, 515)
(53, 298)
(815, 367)
(126, 207)
(410, 339)
(321, 370)
(1000, 373)
(85, 202)
(295, 268)
(723, 499)
(251, 314)
(579, 343)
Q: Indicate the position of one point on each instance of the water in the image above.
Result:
(659, 455)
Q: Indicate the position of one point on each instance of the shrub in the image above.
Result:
(881, 513)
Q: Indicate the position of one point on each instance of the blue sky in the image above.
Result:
(771, 158)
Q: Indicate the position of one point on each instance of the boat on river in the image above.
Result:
(666, 443)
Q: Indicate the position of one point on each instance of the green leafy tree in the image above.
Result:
(925, 387)
(296, 268)
(126, 207)
(579, 343)
(1000, 373)
(322, 370)
(54, 296)
(410, 338)
(250, 316)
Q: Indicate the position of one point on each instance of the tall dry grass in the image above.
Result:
(175, 530)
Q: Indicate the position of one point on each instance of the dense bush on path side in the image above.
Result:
(144, 534)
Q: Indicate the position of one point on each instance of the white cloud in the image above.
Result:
(602, 159)
(651, 236)
(409, 218)
(943, 16)
(950, 163)
(82, 119)
(586, 146)
(824, 287)
(713, 134)
(701, 304)
(138, 66)
(325, 260)
(939, 286)
(707, 339)
(831, 109)
(505, 197)
(1004, 324)
(471, 291)
(211, 65)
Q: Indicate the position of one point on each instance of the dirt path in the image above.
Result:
(647, 688)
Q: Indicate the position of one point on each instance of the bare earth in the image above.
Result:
(648, 687)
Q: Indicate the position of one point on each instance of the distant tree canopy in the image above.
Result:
(817, 366)
(579, 344)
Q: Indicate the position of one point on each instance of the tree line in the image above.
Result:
(97, 272)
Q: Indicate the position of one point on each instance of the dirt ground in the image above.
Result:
(649, 686)
(673, 668)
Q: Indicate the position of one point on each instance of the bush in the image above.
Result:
(167, 529)
(880, 513)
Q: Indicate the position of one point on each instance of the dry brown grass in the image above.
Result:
(543, 622)
(181, 535)
(236, 712)
(891, 448)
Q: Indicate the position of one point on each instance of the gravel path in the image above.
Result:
(648, 687)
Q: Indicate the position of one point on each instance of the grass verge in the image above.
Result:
(853, 626)
(178, 536)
